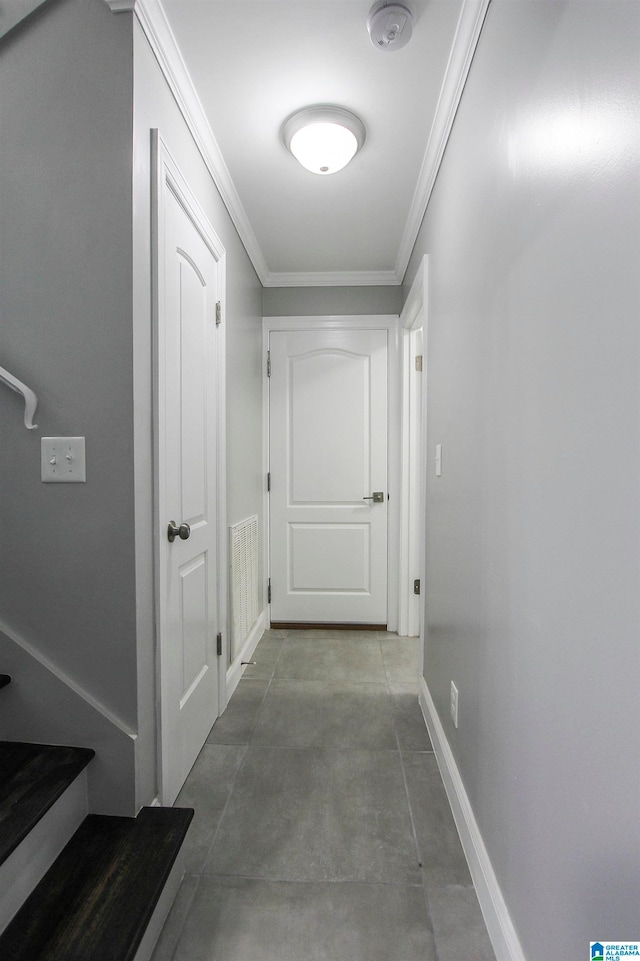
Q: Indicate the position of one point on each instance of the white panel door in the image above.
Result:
(187, 440)
(328, 455)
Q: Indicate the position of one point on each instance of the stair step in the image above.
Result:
(32, 778)
(96, 901)
(5, 679)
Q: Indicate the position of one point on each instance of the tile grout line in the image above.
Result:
(242, 762)
(415, 841)
(187, 912)
(235, 776)
(284, 880)
(411, 819)
(224, 807)
(267, 689)
(404, 776)
(406, 791)
(427, 907)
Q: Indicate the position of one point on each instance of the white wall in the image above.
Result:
(67, 581)
(533, 236)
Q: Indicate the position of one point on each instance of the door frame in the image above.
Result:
(390, 323)
(414, 315)
(166, 175)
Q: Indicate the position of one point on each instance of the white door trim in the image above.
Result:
(390, 323)
(166, 175)
(413, 316)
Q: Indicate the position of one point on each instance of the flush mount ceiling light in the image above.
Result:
(323, 138)
(390, 25)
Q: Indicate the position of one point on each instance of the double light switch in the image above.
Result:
(62, 460)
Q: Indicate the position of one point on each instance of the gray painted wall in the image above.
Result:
(67, 580)
(332, 301)
(76, 566)
(533, 237)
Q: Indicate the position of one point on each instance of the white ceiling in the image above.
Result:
(253, 62)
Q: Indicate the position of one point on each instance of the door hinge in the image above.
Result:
(269, 481)
(418, 361)
(219, 645)
(218, 313)
(268, 363)
(416, 586)
(269, 591)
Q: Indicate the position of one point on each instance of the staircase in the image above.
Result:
(76, 886)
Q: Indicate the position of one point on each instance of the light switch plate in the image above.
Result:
(62, 460)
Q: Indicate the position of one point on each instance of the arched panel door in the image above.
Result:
(328, 465)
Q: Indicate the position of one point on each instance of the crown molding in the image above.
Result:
(121, 6)
(465, 41)
(153, 21)
(344, 278)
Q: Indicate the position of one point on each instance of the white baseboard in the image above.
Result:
(235, 672)
(494, 909)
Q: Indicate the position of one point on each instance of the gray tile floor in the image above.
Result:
(322, 830)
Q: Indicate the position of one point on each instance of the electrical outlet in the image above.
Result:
(454, 704)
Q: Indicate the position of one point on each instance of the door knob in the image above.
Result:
(377, 497)
(174, 531)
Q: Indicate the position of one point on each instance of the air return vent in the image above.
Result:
(243, 551)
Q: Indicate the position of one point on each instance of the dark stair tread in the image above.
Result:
(95, 902)
(32, 778)
(5, 679)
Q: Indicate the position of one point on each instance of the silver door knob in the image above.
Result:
(174, 531)
(377, 497)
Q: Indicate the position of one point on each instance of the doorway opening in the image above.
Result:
(412, 567)
(332, 418)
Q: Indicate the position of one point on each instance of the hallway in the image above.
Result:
(322, 830)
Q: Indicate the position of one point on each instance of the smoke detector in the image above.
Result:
(390, 24)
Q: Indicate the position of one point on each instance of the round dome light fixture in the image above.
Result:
(390, 24)
(323, 138)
